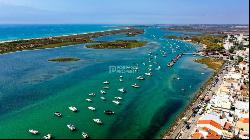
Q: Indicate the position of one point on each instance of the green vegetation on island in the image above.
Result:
(118, 44)
(64, 59)
(212, 63)
(52, 42)
(211, 42)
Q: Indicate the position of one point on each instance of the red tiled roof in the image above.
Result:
(197, 135)
(210, 122)
(244, 120)
(227, 126)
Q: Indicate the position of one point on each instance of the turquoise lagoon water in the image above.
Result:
(31, 89)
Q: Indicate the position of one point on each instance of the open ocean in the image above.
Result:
(32, 89)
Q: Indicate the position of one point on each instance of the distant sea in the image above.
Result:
(32, 89)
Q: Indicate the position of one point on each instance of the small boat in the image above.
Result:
(122, 90)
(47, 137)
(58, 114)
(103, 98)
(120, 80)
(92, 94)
(34, 132)
(85, 135)
(109, 112)
(106, 87)
(71, 127)
(73, 109)
(178, 78)
(148, 74)
(116, 102)
(158, 68)
(105, 82)
(98, 121)
(202, 73)
(121, 76)
(102, 92)
(118, 98)
(139, 78)
(91, 108)
(135, 86)
(88, 100)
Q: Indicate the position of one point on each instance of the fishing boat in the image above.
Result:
(139, 78)
(135, 86)
(121, 76)
(85, 135)
(91, 108)
(105, 82)
(103, 98)
(102, 92)
(122, 90)
(73, 109)
(109, 112)
(71, 127)
(92, 94)
(58, 114)
(32, 131)
(118, 98)
(88, 100)
(116, 102)
(98, 121)
(47, 137)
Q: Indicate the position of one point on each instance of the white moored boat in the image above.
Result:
(135, 86)
(116, 102)
(88, 100)
(139, 78)
(98, 121)
(118, 98)
(103, 98)
(91, 108)
(47, 137)
(71, 127)
(102, 92)
(34, 132)
(122, 90)
(105, 82)
(73, 109)
(92, 94)
(85, 135)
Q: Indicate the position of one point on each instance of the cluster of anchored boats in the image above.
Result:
(151, 64)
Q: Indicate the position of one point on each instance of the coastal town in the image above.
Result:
(221, 109)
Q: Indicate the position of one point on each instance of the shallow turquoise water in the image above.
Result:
(31, 89)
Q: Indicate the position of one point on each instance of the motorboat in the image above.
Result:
(32, 131)
(88, 100)
(158, 68)
(105, 87)
(47, 137)
(85, 135)
(98, 121)
(91, 108)
(102, 92)
(122, 90)
(71, 127)
(103, 98)
(58, 114)
(73, 109)
(109, 112)
(140, 78)
(105, 82)
(120, 80)
(121, 76)
(116, 102)
(92, 94)
(148, 74)
(118, 98)
(135, 86)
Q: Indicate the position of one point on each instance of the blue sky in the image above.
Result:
(124, 11)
